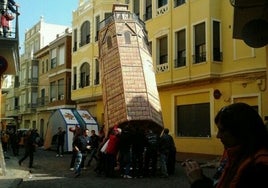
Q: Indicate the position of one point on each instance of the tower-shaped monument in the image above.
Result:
(130, 92)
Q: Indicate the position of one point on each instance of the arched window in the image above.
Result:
(127, 37)
(84, 75)
(85, 33)
(109, 42)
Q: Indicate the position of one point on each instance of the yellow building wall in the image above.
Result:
(240, 76)
(232, 91)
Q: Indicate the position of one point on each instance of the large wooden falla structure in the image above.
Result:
(130, 92)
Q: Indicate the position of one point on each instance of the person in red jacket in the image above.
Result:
(112, 151)
(245, 159)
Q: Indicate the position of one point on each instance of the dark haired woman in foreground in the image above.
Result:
(245, 159)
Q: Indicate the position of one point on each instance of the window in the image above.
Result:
(127, 37)
(34, 96)
(217, 55)
(62, 55)
(180, 49)
(85, 33)
(150, 47)
(75, 40)
(163, 50)
(109, 42)
(148, 10)
(161, 3)
(53, 92)
(136, 7)
(53, 58)
(16, 103)
(84, 75)
(34, 74)
(97, 73)
(193, 120)
(200, 43)
(74, 78)
(145, 42)
(178, 2)
(97, 27)
(107, 15)
(16, 82)
(42, 100)
(61, 89)
(43, 67)
(46, 65)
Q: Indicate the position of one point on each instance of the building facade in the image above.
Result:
(54, 85)
(21, 101)
(86, 82)
(199, 66)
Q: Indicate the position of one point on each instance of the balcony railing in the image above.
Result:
(162, 68)
(42, 101)
(121, 16)
(199, 58)
(162, 10)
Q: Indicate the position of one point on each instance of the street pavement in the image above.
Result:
(53, 172)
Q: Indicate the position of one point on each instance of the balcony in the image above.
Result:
(121, 17)
(42, 101)
(9, 50)
(162, 68)
(162, 10)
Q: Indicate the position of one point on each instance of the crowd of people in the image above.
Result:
(15, 140)
(130, 151)
(127, 152)
(7, 10)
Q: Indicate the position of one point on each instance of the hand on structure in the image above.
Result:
(193, 170)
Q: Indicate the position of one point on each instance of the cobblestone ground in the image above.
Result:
(53, 172)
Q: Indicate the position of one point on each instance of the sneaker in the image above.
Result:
(127, 176)
(84, 168)
(61, 155)
(57, 155)
(72, 169)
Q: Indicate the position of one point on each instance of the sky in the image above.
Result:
(53, 11)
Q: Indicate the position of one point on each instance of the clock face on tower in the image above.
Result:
(3, 65)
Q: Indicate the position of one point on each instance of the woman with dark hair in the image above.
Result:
(245, 159)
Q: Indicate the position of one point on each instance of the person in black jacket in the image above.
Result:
(171, 161)
(150, 155)
(30, 145)
(81, 145)
(164, 152)
(60, 142)
(94, 145)
(167, 153)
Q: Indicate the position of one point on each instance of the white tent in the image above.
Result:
(68, 119)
